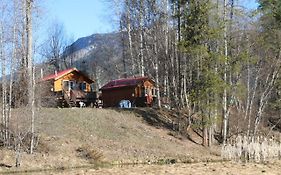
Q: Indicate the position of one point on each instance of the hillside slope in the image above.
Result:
(122, 136)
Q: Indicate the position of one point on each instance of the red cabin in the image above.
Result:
(140, 91)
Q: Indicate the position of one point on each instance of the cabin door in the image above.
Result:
(68, 85)
(65, 85)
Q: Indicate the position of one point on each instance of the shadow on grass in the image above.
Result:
(163, 119)
(152, 116)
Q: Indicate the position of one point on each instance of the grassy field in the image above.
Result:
(76, 137)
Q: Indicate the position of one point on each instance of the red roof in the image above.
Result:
(125, 82)
(63, 73)
(59, 74)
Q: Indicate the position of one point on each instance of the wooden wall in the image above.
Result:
(147, 84)
(73, 77)
(112, 97)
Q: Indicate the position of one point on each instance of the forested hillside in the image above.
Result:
(215, 64)
(214, 58)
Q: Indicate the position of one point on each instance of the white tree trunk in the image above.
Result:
(251, 101)
(129, 32)
(141, 33)
(3, 74)
(225, 116)
(31, 100)
(270, 81)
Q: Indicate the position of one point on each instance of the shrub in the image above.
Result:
(90, 154)
(256, 149)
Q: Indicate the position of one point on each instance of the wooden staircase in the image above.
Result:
(71, 98)
(71, 103)
(68, 98)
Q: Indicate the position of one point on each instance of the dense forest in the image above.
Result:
(213, 61)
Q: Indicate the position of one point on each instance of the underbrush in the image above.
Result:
(90, 154)
(252, 149)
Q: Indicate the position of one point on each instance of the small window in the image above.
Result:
(83, 86)
(93, 87)
(154, 92)
(145, 91)
(71, 85)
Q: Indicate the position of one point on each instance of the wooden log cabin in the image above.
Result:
(140, 91)
(71, 87)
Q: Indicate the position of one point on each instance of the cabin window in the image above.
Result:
(93, 87)
(145, 91)
(71, 85)
(154, 92)
(83, 86)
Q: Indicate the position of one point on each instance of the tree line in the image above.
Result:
(216, 59)
(211, 58)
(17, 129)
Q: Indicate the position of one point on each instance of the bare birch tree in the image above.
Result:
(30, 67)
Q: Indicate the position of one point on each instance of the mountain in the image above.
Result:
(89, 43)
(97, 55)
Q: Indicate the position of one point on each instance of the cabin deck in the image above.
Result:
(73, 98)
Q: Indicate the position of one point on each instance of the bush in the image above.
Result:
(90, 154)
(255, 149)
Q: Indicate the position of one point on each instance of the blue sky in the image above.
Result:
(85, 17)
(251, 4)
(81, 17)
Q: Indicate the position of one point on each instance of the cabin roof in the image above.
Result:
(63, 73)
(124, 82)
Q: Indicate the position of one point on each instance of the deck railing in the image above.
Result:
(78, 95)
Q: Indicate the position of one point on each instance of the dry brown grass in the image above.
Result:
(121, 136)
(43, 146)
(77, 137)
(2, 154)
